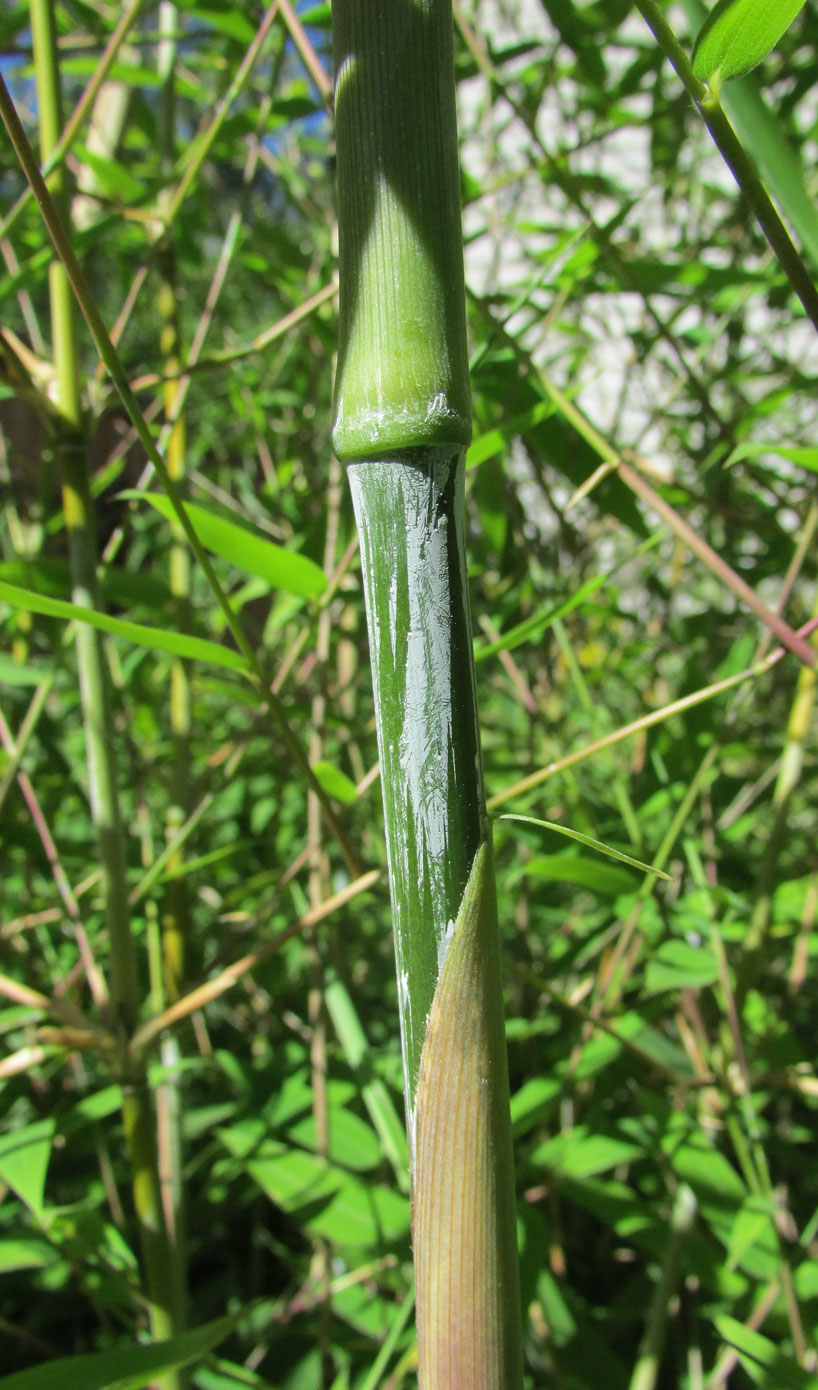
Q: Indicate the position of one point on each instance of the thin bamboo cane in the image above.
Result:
(402, 424)
(79, 516)
(174, 921)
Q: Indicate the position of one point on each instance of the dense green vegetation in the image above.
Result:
(640, 682)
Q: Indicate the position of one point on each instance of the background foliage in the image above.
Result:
(623, 306)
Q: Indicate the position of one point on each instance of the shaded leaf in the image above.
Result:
(127, 1367)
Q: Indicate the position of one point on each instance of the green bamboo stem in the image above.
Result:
(789, 774)
(646, 1370)
(402, 424)
(94, 693)
(174, 920)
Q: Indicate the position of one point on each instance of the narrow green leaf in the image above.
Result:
(177, 643)
(532, 627)
(492, 442)
(25, 1254)
(760, 1357)
(805, 456)
(126, 1367)
(578, 868)
(329, 1201)
(113, 178)
(12, 673)
(335, 783)
(246, 549)
(738, 35)
(678, 965)
(589, 842)
(582, 1154)
(24, 1156)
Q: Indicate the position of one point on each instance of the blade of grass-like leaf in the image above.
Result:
(738, 35)
(283, 569)
(375, 1096)
(177, 643)
(588, 841)
(805, 457)
(761, 1359)
(126, 1367)
(379, 1365)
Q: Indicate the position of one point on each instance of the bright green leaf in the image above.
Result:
(760, 1357)
(738, 35)
(177, 643)
(335, 783)
(329, 1201)
(24, 1155)
(25, 1254)
(581, 1154)
(246, 549)
(804, 456)
(588, 841)
(12, 673)
(579, 869)
(679, 965)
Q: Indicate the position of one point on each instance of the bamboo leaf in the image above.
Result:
(761, 1359)
(806, 457)
(589, 842)
(680, 965)
(335, 782)
(738, 35)
(283, 569)
(327, 1200)
(578, 868)
(24, 1156)
(127, 1367)
(177, 643)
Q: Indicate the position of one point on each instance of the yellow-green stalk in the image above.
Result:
(95, 697)
(402, 425)
(174, 920)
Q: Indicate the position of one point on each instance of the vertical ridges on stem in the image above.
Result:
(464, 1220)
(402, 424)
(409, 510)
(401, 260)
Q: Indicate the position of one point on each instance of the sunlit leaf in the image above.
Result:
(24, 1156)
(335, 782)
(588, 841)
(738, 35)
(246, 549)
(176, 643)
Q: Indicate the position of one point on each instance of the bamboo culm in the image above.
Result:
(402, 425)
